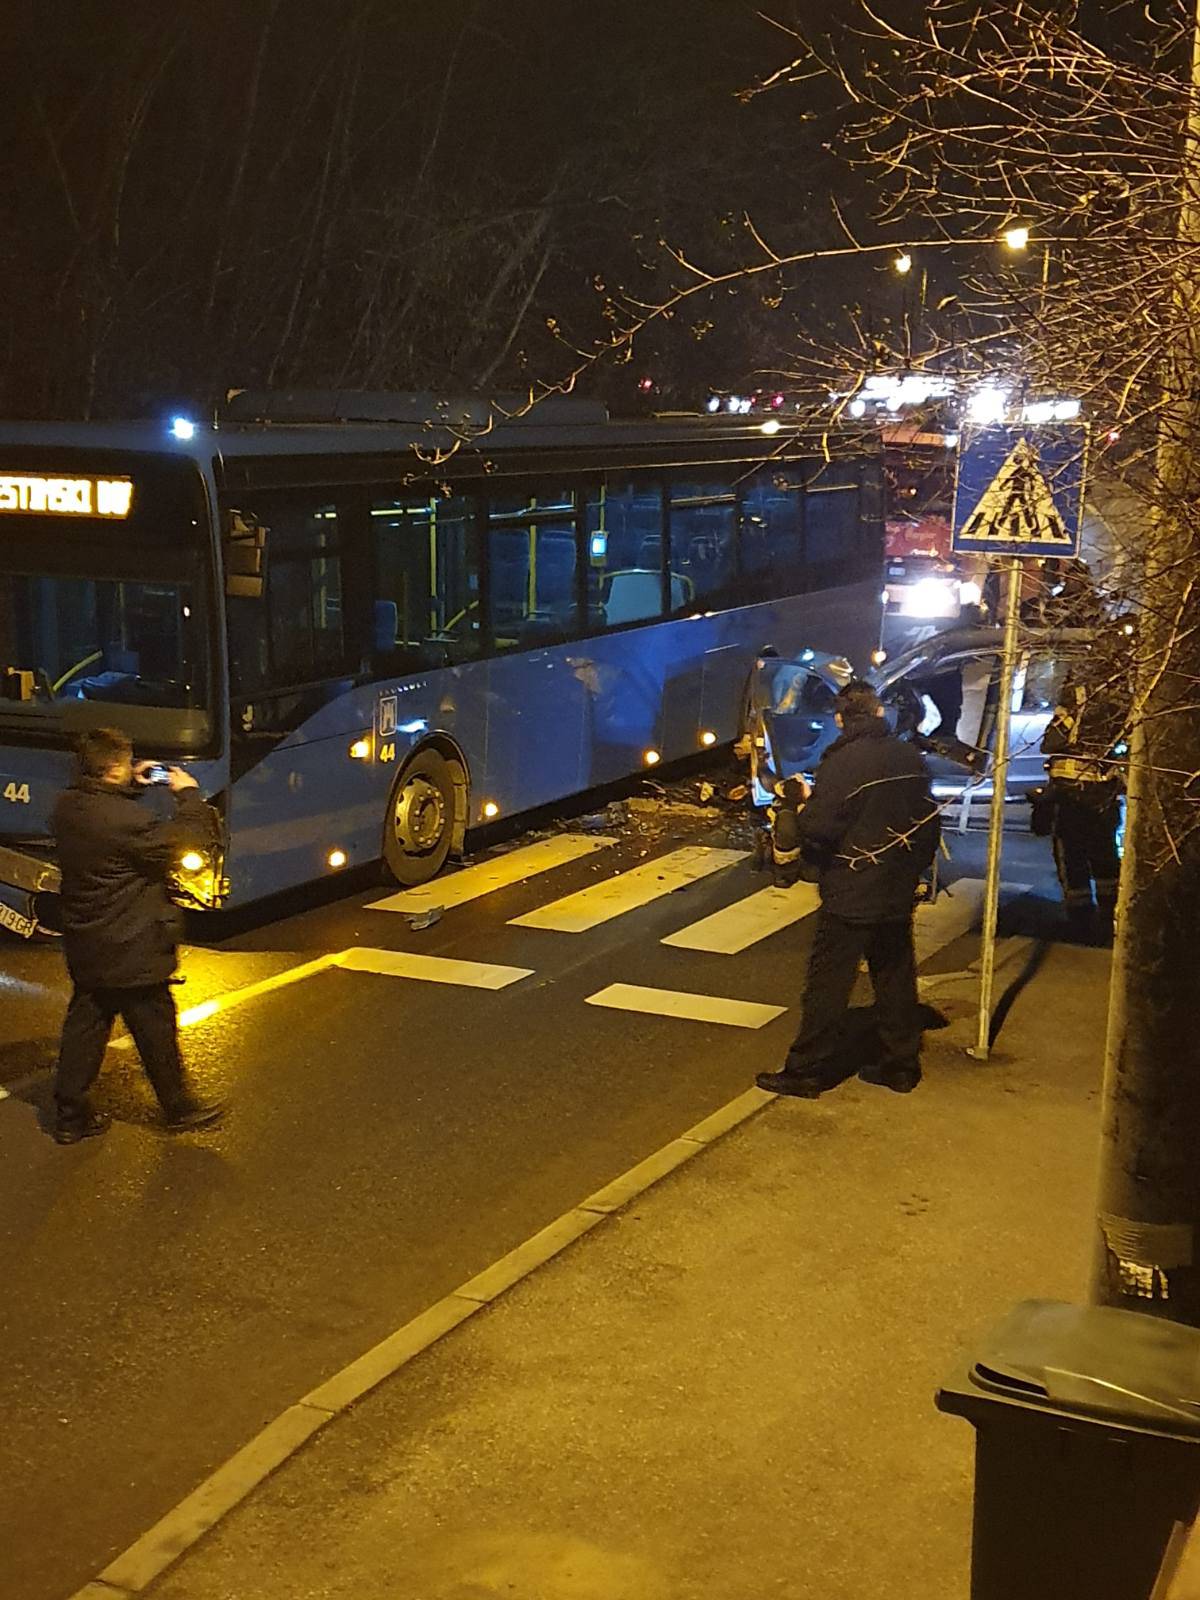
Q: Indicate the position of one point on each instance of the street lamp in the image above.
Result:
(1016, 238)
(903, 263)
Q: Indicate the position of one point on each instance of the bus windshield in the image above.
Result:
(106, 625)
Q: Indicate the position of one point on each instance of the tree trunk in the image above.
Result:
(1149, 1193)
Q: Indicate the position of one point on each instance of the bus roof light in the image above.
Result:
(183, 428)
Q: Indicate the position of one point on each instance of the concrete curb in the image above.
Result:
(136, 1569)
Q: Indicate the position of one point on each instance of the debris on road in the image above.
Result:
(419, 920)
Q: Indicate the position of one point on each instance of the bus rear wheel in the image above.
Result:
(420, 823)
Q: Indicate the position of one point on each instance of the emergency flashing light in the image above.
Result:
(988, 405)
(183, 428)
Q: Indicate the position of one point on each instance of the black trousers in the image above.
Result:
(838, 948)
(149, 1015)
(1085, 845)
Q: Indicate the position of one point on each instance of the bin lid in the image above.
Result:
(1095, 1361)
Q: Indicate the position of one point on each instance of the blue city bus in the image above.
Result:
(368, 628)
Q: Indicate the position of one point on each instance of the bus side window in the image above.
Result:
(623, 530)
(703, 540)
(835, 534)
(293, 634)
(772, 533)
(426, 610)
(532, 555)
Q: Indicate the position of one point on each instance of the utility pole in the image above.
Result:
(1148, 1208)
(991, 898)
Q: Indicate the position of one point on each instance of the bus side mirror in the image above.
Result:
(244, 545)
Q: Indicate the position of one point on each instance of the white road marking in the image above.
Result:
(234, 997)
(432, 969)
(953, 914)
(456, 888)
(693, 1007)
(744, 923)
(600, 902)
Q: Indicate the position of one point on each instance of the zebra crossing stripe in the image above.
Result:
(485, 877)
(628, 891)
(957, 911)
(745, 922)
(432, 969)
(691, 1007)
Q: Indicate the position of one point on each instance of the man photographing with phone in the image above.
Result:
(120, 928)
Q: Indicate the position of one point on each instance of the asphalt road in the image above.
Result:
(390, 1136)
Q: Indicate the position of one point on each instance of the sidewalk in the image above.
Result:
(726, 1390)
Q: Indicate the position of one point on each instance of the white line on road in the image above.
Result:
(627, 891)
(692, 1007)
(456, 888)
(744, 923)
(432, 969)
(235, 997)
(954, 913)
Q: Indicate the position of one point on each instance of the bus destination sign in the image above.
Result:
(28, 494)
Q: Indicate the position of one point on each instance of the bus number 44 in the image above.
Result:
(17, 793)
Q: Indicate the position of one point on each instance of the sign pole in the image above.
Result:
(991, 899)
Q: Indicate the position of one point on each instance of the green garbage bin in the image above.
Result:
(1087, 1450)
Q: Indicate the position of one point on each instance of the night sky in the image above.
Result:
(386, 195)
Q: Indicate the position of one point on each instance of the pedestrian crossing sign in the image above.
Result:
(1020, 493)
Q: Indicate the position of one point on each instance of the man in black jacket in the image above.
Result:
(120, 930)
(871, 828)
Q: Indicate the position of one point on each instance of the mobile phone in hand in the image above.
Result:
(155, 772)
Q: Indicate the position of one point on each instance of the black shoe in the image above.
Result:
(899, 1079)
(91, 1127)
(195, 1115)
(803, 1085)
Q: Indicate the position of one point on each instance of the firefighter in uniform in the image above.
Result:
(1082, 744)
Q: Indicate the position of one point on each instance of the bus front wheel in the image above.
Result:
(420, 823)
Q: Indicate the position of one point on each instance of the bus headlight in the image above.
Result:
(970, 594)
(197, 880)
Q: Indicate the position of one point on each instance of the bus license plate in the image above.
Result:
(26, 927)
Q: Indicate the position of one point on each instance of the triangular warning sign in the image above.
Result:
(1017, 507)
